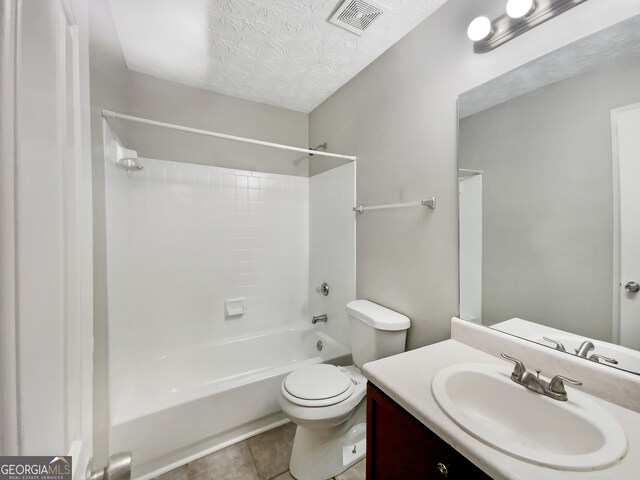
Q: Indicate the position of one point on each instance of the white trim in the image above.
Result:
(78, 242)
(9, 406)
(615, 164)
(27, 425)
(182, 128)
(68, 12)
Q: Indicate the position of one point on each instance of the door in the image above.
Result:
(626, 154)
(46, 231)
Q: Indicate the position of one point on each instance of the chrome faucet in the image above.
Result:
(320, 318)
(588, 346)
(584, 348)
(553, 389)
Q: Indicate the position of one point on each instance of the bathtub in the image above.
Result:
(190, 403)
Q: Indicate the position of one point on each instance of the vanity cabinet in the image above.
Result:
(400, 447)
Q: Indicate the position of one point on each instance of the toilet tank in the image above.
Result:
(375, 331)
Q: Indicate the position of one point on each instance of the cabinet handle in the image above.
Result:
(442, 468)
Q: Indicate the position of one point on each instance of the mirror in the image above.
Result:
(549, 182)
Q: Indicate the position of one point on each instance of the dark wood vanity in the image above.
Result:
(399, 447)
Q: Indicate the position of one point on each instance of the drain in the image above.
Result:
(319, 345)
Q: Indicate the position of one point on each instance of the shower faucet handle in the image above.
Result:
(323, 289)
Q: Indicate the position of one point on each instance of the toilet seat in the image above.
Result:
(317, 416)
(317, 385)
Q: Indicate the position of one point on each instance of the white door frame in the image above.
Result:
(9, 427)
(617, 266)
(79, 242)
(66, 160)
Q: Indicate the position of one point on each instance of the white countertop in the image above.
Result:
(406, 378)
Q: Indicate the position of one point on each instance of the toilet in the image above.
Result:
(327, 403)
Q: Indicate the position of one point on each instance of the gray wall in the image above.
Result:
(116, 88)
(399, 117)
(548, 201)
(167, 101)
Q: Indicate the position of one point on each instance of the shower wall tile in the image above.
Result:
(183, 238)
(332, 246)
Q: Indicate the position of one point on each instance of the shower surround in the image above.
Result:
(181, 240)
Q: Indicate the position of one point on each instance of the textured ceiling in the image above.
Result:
(616, 45)
(279, 52)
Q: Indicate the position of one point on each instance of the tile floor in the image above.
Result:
(263, 457)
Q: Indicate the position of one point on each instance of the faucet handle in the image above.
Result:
(558, 345)
(557, 386)
(596, 358)
(519, 367)
(323, 289)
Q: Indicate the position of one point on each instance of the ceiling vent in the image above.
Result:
(357, 15)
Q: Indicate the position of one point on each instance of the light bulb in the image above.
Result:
(479, 29)
(520, 8)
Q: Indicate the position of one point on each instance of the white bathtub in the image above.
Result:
(190, 403)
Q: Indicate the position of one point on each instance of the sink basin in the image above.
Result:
(574, 435)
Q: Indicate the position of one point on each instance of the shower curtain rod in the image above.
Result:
(109, 113)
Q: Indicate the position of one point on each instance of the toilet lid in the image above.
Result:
(322, 383)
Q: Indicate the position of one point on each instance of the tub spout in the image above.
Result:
(320, 318)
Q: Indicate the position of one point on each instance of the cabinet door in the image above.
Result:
(399, 447)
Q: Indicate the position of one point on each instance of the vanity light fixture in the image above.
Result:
(479, 29)
(520, 8)
(520, 17)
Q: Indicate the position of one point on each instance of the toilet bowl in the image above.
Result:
(322, 395)
(327, 403)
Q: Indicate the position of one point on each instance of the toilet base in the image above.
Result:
(322, 453)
